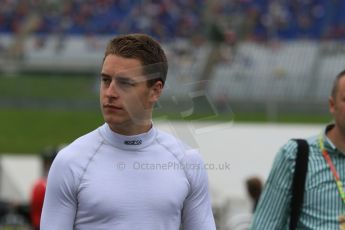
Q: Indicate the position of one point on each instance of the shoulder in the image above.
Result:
(313, 141)
(81, 146)
(189, 158)
(71, 162)
(178, 148)
(75, 155)
(168, 139)
(287, 154)
(290, 148)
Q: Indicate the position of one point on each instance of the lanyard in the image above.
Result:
(332, 167)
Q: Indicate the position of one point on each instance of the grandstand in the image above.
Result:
(313, 19)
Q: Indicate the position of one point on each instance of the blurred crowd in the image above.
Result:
(163, 19)
(263, 20)
(257, 20)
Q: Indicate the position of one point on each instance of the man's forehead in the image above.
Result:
(340, 88)
(341, 83)
(115, 65)
(123, 72)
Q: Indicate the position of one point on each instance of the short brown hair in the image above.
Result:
(336, 83)
(254, 187)
(144, 48)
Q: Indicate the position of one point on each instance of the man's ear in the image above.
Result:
(331, 104)
(156, 91)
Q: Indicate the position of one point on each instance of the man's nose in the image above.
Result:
(112, 90)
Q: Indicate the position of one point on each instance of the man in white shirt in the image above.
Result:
(127, 175)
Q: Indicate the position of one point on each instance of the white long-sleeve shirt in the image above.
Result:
(107, 181)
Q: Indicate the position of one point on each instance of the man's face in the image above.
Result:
(125, 97)
(337, 106)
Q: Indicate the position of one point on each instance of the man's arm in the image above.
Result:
(197, 209)
(273, 209)
(60, 204)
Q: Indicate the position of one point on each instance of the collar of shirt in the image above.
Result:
(134, 142)
(329, 146)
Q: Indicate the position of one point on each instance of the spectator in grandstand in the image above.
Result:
(323, 204)
(39, 188)
(126, 174)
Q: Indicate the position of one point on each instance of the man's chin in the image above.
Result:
(115, 120)
(125, 120)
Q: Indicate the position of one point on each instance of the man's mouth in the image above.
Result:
(113, 107)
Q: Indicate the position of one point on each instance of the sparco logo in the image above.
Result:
(134, 142)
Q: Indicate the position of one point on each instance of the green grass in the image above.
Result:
(30, 131)
(48, 87)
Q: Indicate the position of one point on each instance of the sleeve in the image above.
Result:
(273, 209)
(197, 209)
(60, 202)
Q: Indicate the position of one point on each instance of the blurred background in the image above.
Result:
(240, 72)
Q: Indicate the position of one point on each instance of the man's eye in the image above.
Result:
(125, 83)
(105, 80)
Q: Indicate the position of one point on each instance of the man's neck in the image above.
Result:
(337, 138)
(132, 129)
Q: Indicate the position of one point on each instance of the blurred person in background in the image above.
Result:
(323, 203)
(254, 188)
(126, 174)
(39, 188)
